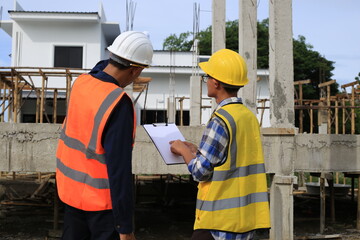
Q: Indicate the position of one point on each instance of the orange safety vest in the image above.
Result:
(81, 173)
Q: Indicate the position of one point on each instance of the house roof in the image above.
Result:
(110, 29)
(54, 16)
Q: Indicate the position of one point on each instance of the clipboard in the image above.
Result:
(161, 134)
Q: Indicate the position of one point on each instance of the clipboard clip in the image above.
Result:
(161, 124)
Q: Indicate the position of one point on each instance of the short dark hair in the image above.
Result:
(230, 88)
(118, 65)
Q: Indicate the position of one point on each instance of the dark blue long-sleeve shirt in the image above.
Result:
(117, 141)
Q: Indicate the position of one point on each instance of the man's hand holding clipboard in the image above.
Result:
(162, 134)
(185, 149)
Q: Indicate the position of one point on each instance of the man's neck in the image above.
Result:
(224, 95)
(116, 74)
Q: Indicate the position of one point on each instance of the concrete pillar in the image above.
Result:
(171, 110)
(281, 222)
(281, 64)
(195, 101)
(248, 49)
(218, 30)
(281, 82)
(218, 25)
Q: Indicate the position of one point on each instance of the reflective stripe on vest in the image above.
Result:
(234, 171)
(236, 198)
(98, 183)
(90, 150)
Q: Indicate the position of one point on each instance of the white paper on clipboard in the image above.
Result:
(161, 134)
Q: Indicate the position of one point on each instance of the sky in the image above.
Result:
(332, 27)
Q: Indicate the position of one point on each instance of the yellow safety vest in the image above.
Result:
(236, 198)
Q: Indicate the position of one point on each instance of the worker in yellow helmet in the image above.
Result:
(232, 199)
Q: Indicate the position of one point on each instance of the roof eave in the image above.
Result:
(55, 16)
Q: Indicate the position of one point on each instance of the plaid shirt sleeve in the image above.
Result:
(211, 152)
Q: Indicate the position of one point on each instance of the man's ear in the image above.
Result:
(135, 71)
(216, 84)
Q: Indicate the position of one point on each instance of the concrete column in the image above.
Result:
(281, 82)
(218, 25)
(171, 110)
(281, 64)
(218, 30)
(281, 222)
(248, 49)
(195, 101)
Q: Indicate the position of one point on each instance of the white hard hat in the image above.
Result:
(134, 47)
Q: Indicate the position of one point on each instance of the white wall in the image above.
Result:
(36, 41)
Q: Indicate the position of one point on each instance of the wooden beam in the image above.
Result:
(302, 82)
(277, 131)
(138, 88)
(326, 83)
(349, 84)
(143, 80)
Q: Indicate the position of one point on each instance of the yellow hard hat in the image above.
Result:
(227, 66)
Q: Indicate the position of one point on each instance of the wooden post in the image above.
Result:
(15, 96)
(181, 111)
(56, 210)
(322, 204)
(336, 117)
(37, 116)
(55, 105)
(3, 103)
(358, 206)
(9, 104)
(329, 110)
(42, 99)
(332, 199)
(301, 112)
(343, 116)
(301, 126)
(68, 86)
(311, 118)
(352, 110)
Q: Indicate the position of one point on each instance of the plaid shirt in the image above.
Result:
(211, 153)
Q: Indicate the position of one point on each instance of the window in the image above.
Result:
(68, 57)
(159, 116)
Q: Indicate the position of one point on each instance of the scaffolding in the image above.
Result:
(18, 83)
(329, 109)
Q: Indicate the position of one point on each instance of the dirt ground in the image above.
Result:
(166, 212)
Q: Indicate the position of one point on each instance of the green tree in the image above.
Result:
(308, 64)
(178, 43)
(357, 78)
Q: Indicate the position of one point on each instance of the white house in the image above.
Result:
(58, 39)
(79, 39)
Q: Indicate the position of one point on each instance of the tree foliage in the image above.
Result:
(308, 63)
(178, 43)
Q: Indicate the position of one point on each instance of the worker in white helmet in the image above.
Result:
(93, 175)
(232, 198)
